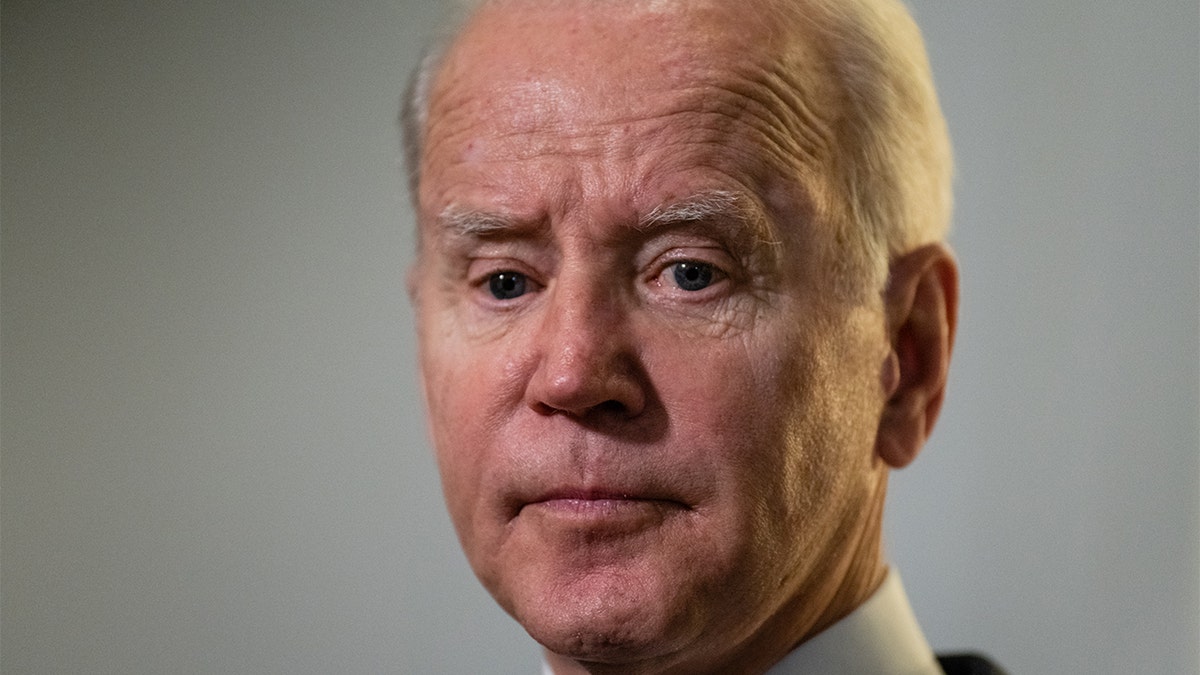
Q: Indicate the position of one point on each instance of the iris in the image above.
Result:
(507, 285)
(693, 276)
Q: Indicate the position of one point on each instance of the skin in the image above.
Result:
(652, 477)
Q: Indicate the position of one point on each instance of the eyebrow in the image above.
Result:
(471, 223)
(711, 205)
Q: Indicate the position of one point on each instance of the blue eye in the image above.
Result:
(507, 285)
(693, 276)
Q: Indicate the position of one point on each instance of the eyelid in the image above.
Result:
(716, 256)
(498, 256)
(479, 270)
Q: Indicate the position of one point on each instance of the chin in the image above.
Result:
(607, 617)
(612, 643)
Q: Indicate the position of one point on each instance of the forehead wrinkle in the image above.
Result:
(779, 104)
(793, 121)
(762, 115)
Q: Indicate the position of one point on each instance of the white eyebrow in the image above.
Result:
(469, 223)
(702, 206)
(710, 205)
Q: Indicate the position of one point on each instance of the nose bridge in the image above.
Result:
(582, 325)
(584, 359)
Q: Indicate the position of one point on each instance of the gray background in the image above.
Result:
(213, 460)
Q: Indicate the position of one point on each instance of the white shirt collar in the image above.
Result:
(880, 637)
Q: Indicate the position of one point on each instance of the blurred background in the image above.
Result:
(212, 458)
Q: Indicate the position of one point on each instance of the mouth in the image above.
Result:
(607, 512)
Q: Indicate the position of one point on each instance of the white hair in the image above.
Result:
(894, 166)
(896, 171)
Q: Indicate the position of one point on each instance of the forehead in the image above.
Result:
(658, 86)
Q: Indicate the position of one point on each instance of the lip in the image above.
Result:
(585, 494)
(598, 511)
(597, 506)
(571, 497)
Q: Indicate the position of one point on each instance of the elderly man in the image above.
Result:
(683, 301)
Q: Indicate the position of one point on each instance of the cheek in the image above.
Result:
(742, 410)
(832, 416)
(776, 414)
(469, 391)
(454, 398)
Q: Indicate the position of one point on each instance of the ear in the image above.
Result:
(921, 303)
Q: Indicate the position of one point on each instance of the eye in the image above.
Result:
(507, 285)
(693, 276)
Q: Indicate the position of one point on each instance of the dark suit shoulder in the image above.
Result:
(967, 664)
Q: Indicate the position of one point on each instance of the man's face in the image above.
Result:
(654, 426)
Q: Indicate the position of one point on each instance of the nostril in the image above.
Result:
(611, 407)
(543, 409)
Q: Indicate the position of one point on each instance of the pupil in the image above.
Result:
(693, 276)
(507, 285)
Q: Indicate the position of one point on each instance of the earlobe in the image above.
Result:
(922, 312)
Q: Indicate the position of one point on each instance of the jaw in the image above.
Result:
(601, 622)
(665, 599)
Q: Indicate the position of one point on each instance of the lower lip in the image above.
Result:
(603, 515)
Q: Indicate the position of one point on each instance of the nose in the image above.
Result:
(587, 363)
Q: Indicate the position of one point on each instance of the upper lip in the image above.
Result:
(596, 493)
(587, 494)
